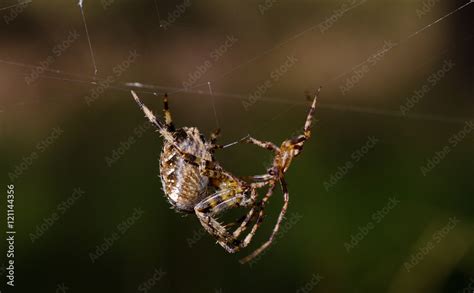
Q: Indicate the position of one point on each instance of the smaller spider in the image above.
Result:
(284, 155)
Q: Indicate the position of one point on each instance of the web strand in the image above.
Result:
(405, 39)
(15, 5)
(88, 38)
(92, 80)
(213, 104)
(158, 13)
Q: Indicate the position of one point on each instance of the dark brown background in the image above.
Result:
(326, 219)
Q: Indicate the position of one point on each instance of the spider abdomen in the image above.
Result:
(183, 184)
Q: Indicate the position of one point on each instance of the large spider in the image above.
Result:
(194, 182)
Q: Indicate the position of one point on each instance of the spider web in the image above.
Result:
(125, 86)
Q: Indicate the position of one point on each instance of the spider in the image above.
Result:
(284, 155)
(194, 182)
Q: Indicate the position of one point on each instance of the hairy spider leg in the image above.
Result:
(263, 144)
(244, 220)
(277, 225)
(258, 207)
(260, 216)
(213, 145)
(216, 204)
(167, 114)
(214, 135)
(152, 118)
(209, 208)
(298, 141)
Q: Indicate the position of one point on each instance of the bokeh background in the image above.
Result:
(368, 212)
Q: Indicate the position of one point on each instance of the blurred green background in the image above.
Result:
(368, 212)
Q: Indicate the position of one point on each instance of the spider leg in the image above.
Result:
(298, 141)
(237, 222)
(277, 225)
(224, 200)
(259, 180)
(167, 114)
(258, 221)
(213, 146)
(263, 144)
(213, 206)
(214, 135)
(259, 207)
(235, 245)
(309, 119)
(221, 201)
(152, 118)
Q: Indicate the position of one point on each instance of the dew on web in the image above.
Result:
(160, 22)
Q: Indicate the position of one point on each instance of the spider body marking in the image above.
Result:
(183, 184)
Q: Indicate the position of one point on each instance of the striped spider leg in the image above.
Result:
(231, 192)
